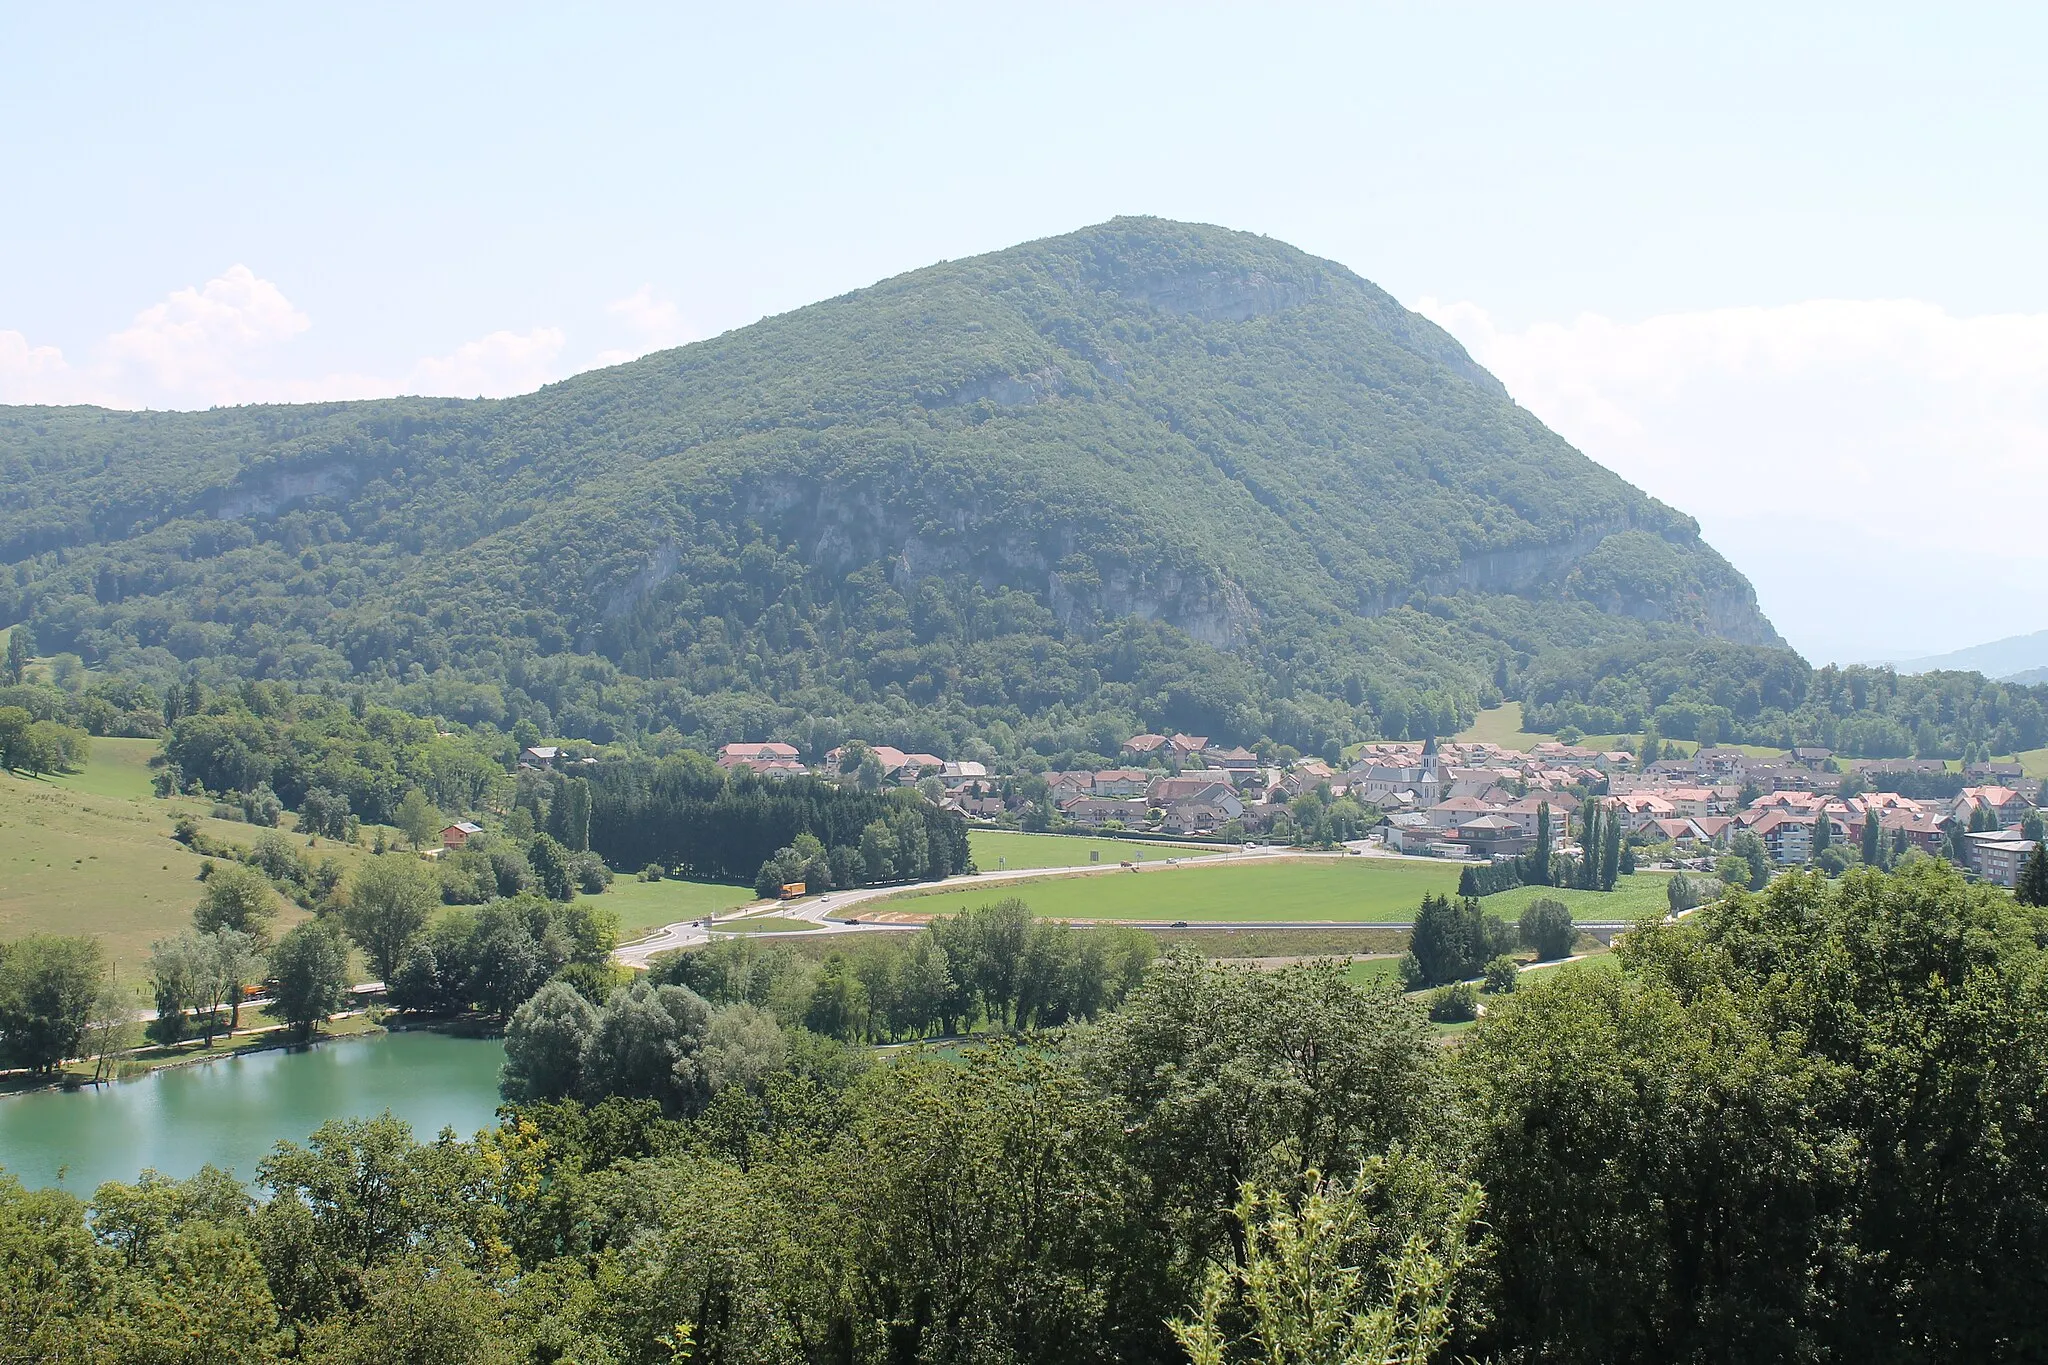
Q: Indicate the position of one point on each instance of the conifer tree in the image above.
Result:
(1610, 853)
(1873, 838)
(1823, 834)
(2033, 883)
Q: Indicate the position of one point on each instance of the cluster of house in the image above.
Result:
(1479, 800)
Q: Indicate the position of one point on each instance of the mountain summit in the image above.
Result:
(1149, 474)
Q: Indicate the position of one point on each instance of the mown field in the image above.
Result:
(1332, 890)
(1632, 898)
(999, 850)
(649, 905)
(1339, 890)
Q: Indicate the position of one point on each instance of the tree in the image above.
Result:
(15, 722)
(569, 814)
(417, 818)
(1823, 834)
(21, 648)
(234, 960)
(237, 897)
(1748, 845)
(2033, 882)
(878, 851)
(1455, 939)
(1610, 852)
(1873, 837)
(178, 972)
(648, 1043)
(389, 901)
(310, 967)
(1503, 974)
(550, 863)
(744, 1045)
(48, 988)
(1546, 926)
(1301, 1296)
(544, 1045)
(1539, 860)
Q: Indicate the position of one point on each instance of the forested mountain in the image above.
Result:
(1149, 474)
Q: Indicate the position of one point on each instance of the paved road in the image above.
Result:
(828, 914)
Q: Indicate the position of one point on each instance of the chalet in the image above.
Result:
(458, 834)
(1807, 756)
(2003, 802)
(1238, 760)
(2004, 773)
(732, 755)
(540, 755)
(1460, 810)
(1120, 782)
(1187, 746)
(1097, 811)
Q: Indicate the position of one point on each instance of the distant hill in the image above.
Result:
(2005, 659)
(1147, 474)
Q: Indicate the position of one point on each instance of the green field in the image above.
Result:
(1632, 898)
(998, 850)
(1502, 725)
(1374, 971)
(649, 905)
(1340, 890)
(767, 924)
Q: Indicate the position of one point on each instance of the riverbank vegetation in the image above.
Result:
(1798, 1126)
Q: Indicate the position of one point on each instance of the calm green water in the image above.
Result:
(232, 1112)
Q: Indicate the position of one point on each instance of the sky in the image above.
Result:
(1780, 266)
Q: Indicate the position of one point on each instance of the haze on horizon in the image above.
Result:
(1781, 271)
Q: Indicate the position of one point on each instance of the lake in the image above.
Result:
(232, 1112)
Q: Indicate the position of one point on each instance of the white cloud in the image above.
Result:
(494, 366)
(200, 341)
(37, 374)
(228, 341)
(1872, 465)
(655, 324)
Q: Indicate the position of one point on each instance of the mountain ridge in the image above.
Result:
(1200, 462)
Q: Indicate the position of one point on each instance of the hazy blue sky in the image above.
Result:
(1784, 270)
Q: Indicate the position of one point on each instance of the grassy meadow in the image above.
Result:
(91, 853)
(1000, 851)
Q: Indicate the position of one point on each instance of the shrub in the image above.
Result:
(1547, 927)
(1412, 977)
(1501, 975)
(651, 873)
(1454, 1004)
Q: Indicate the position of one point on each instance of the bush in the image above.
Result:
(1502, 974)
(1412, 977)
(589, 873)
(1547, 927)
(1454, 1004)
(651, 873)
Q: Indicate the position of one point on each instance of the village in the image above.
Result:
(1483, 801)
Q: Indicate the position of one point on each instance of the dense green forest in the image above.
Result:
(1147, 475)
(1719, 692)
(1801, 1126)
